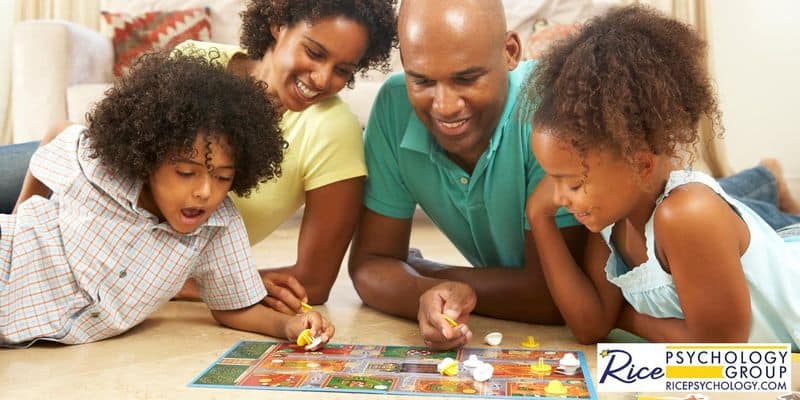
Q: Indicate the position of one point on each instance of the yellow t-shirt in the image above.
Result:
(325, 146)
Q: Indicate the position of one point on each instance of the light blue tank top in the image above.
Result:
(771, 267)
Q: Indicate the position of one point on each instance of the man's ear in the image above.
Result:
(513, 50)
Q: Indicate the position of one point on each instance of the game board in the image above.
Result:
(389, 370)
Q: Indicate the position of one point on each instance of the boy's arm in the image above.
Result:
(700, 239)
(261, 319)
(32, 186)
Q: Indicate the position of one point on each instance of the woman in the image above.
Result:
(306, 51)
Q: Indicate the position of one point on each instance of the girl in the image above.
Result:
(138, 203)
(614, 106)
(306, 52)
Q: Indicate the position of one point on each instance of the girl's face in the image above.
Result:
(312, 62)
(603, 194)
(185, 191)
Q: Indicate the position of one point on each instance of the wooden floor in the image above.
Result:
(157, 359)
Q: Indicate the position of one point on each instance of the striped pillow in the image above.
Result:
(134, 35)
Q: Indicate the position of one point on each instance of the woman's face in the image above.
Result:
(312, 62)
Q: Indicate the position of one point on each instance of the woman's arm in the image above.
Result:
(329, 220)
(701, 240)
(588, 302)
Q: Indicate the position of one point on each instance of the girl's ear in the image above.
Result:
(645, 163)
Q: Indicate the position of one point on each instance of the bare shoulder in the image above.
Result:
(694, 212)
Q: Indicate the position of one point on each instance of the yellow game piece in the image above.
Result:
(555, 387)
(541, 367)
(450, 321)
(305, 307)
(469, 391)
(795, 356)
(530, 343)
(304, 338)
(450, 368)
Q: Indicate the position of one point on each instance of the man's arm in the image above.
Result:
(519, 294)
(386, 282)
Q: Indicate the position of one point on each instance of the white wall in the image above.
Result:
(6, 22)
(755, 59)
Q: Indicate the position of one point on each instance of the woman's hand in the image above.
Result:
(284, 292)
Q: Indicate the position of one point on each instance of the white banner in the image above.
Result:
(699, 367)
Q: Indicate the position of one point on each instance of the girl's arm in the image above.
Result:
(262, 319)
(701, 239)
(588, 302)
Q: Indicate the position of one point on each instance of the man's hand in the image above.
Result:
(284, 292)
(454, 299)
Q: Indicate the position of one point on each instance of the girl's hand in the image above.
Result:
(541, 202)
(320, 327)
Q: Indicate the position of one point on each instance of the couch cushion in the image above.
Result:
(82, 98)
(134, 35)
(225, 20)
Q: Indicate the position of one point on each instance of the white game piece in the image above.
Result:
(444, 364)
(314, 343)
(380, 387)
(569, 363)
(472, 361)
(493, 338)
(483, 372)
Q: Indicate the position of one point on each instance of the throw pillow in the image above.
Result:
(134, 35)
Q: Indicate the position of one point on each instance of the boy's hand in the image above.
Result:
(319, 325)
(454, 299)
(284, 292)
(542, 200)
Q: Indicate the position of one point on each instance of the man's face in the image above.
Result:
(457, 83)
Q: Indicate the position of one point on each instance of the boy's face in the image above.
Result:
(185, 191)
(598, 190)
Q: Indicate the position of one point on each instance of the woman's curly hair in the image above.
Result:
(377, 16)
(630, 80)
(154, 113)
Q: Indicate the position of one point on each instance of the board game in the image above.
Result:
(400, 370)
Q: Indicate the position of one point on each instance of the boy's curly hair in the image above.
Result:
(377, 16)
(628, 81)
(154, 114)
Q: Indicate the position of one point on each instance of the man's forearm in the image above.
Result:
(391, 285)
(503, 292)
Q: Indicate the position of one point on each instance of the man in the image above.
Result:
(446, 136)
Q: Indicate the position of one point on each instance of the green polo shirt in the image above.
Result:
(483, 214)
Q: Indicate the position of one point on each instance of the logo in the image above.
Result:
(665, 367)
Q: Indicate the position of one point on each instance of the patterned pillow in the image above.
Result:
(134, 35)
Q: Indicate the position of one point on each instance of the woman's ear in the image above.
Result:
(276, 31)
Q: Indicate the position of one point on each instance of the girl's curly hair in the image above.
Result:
(630, 80)
(377, 16)
(154, 114)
